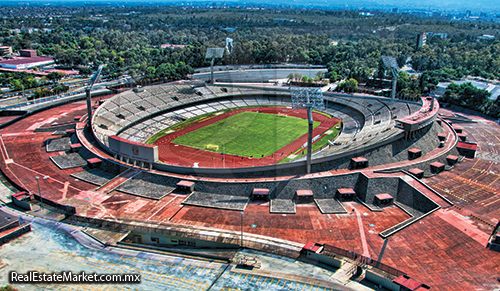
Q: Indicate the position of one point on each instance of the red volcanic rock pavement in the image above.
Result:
(445, 250)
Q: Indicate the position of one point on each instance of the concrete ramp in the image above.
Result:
(345, 272)
(118, 180)
(330, 206)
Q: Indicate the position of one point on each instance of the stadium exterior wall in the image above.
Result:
(133, 150)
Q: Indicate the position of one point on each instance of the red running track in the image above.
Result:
(180, 155)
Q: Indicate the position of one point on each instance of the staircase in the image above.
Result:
(345, 272)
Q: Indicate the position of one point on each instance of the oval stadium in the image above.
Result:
(399, 193)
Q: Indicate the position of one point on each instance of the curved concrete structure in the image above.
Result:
(368, 121)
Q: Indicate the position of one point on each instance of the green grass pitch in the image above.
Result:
(248, 134)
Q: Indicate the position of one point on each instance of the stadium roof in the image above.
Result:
(383, 196)
(312, 246)
(360, 159)
(437, 164)
(415, 171)
(21, 61)
(185, 183)
(409, 283)
(346, 191)
(304, 193)
(465, 145)
(260, 191)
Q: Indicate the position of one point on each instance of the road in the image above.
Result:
(257, 76)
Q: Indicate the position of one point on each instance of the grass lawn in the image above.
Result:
(316, 145)
(248, 134)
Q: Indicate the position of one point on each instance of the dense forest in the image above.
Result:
(349, 44)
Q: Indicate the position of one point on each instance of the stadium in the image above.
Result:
(189, 160)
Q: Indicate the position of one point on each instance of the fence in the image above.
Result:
(17, 233)
(234, 240)
(66, 209)
(113, 225)
(11, 225)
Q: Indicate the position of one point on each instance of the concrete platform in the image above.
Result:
(330, 206)
(94, 176)
(219, 201)
(73, 160)
(282, 206)
(58, 144)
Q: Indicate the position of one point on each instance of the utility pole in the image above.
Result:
(241, 228)
(87, 93)
(307, 98)
(392, 64)
(40, 193)
(381, 253)
(213, 53)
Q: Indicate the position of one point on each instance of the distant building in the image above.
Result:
(283, 20)
(26, 63)
(5, 50)
(27, 53)
(421, 39)
(488, 36)
(29, 29)
(366, 14)
(172, 46)
(467, 14)
(228, 29)
(395, 10)
(440, 34)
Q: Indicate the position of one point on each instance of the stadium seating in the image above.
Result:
(139, 115)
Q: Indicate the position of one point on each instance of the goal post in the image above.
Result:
(212, 147)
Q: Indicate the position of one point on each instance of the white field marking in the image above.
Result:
(4, 148)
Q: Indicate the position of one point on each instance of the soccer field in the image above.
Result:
(247, 134)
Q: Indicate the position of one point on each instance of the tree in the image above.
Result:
(467, 95)
(350, 85)
(320, 75)
(86, 71)
(55, 76)
(132, 73)
(150, 72)
(16, 85)
(332, 75)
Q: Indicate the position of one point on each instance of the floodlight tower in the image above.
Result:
(309, 98)
(87, 92)
(390, 63)
(213, 53)
(229, 44)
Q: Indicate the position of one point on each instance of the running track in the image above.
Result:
(181, 155)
